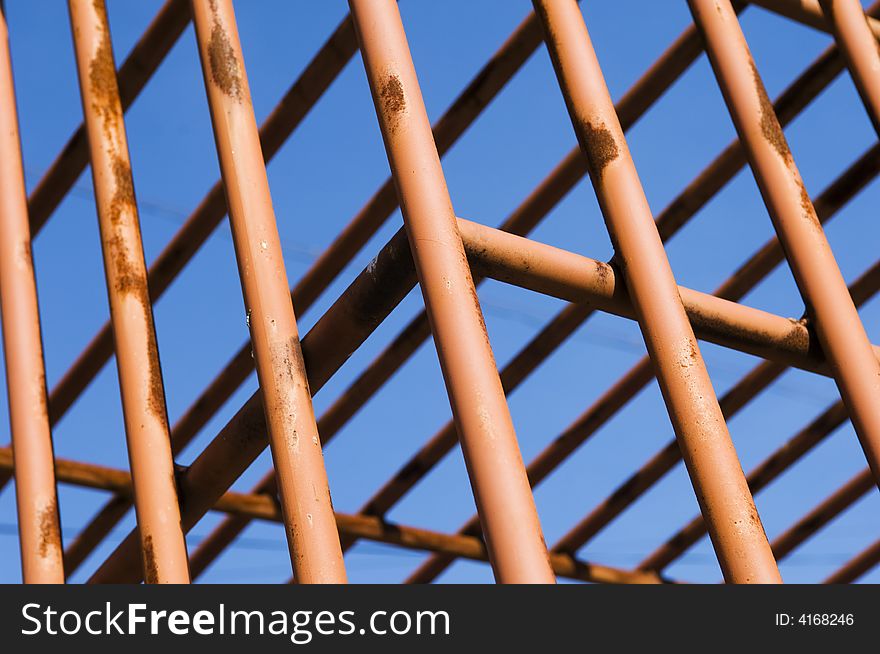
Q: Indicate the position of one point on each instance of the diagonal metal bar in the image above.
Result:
(821, 515)
(712, 463)
(810, 258)
(134, 73)
(859, 46)
(296, 449)
(808, 12)
(367, 301)
(501, 490)
(857, 567)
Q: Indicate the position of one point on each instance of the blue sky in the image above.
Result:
(332, 165)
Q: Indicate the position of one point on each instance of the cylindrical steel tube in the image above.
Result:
(293, 434)
(810, 258)
(501, 489)
(860, 49)
(721, 489)
(36, 497)
(140, 376)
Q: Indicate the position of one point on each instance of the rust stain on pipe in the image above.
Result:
(35, 492)
(140, 378)
(313, 540)
(840, 331)
(737, 533)
(501, 491)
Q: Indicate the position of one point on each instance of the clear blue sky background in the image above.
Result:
(327, 171)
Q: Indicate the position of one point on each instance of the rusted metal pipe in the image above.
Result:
(840, 331)
(501, 490)
(35, 493)
(290, 420)
(807, 12)
(737, 534)
(140, 375)
(860, 49)
(139, 66)
(763, 474)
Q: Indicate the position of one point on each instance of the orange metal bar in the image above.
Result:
(140, 376)
(808, 12)
(134, 73)
(754, 382)
(501, 489)
(838, 326)
(734, 525)
(779, 461)
(293, 434)
(35, 493)
(860, 48)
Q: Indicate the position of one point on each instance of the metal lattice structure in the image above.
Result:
(446, 257)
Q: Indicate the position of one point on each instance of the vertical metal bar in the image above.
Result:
(296, 450)
(860, 49)
(35, 492)
(812, 263)
(717, 477)
(140, 376)
(501, 489)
